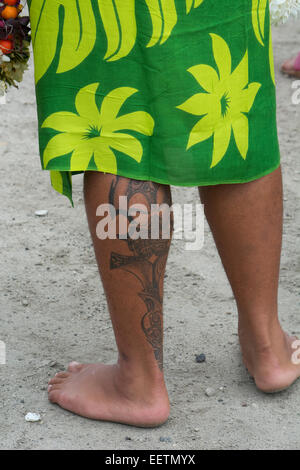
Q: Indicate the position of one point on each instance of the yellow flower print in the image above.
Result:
(163, 15)
(192, 4)
(120, 25)
(271, 58)
(259, 9)
(79, 29)
(228, 97)
(57, 180)
(79, 33)
(94, 132)
(259, 18)
(119, 22)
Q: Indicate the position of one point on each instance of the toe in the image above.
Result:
(62, 375)
(75, 366)
(52, 387)
(55, 380)
(53, 395)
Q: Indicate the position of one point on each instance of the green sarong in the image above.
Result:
(179, 92)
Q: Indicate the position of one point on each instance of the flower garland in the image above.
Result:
(282, 10)
(14, 43)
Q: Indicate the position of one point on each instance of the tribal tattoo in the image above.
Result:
(149, 256)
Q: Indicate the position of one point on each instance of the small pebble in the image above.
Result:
(41, 213)
(32, 417)
(209, 392)
(200, 358)
(25, 302)
(165, 439)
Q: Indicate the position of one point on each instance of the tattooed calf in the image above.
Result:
(147, 261)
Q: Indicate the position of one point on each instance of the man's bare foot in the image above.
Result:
(108, 393)
(273, 367)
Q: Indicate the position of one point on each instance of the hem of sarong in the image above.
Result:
(171, 182)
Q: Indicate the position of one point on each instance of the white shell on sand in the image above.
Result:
(32, 417)
(41, 213)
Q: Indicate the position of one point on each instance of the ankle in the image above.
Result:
(261, 333)
(267, 348)
(135, 366)
(145, 379)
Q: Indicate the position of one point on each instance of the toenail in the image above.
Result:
(49, 388)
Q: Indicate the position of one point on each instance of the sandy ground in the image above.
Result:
(53, 308)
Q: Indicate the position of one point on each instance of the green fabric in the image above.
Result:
(180, 92)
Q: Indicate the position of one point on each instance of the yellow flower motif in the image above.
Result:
(192, 4)
(79, 32)
(228, 96)
(163, 15)
(271, 58)
(119, 22)
(96, 133)
(259, 8)
(164, 18)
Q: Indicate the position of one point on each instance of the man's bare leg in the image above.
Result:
(132, 391)
(246, 222)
